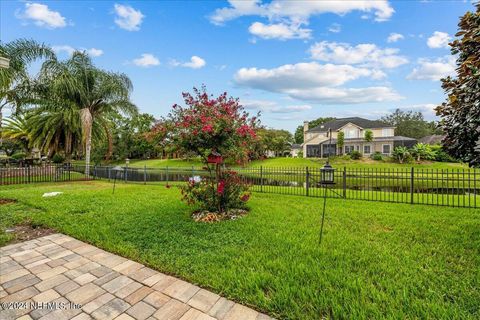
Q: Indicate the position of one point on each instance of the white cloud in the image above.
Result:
(328, 95)
(128, 18)
(287, 17)
(433, 69)
(315, 82)
(273, 107)
(146, 60)
(438, 40)
(42, 16)
(299, 11)
(280, 31)
(195, 63)
(394, 37)
(365, 53)
(307, 75)
(93, 52)
(335, 28)
(427, 109)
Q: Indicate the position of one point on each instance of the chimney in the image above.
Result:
(305, 126)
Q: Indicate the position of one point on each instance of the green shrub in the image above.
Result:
(230, 192)
(402, 155)
(355, 155)
(19, 156)
(57, 158)
(440, 154)
(377, 156)
(422, 151)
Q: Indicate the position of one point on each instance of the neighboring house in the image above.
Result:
(317, 141)
(433, 139)
(295, 150)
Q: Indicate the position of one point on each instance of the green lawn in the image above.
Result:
(301, 162)
(378, 260)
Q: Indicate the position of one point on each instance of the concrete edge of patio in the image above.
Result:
(67, 273)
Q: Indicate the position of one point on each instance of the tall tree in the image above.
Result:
(95, 93)
(408, 123)
(14, 79)
(311, 124)
(461, 112)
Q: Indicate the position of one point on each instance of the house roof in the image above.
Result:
(433, 139)
(340, 122)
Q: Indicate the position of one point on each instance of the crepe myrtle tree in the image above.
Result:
(207, 126)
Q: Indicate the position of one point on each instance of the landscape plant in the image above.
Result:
(422, 151)
(401, 154)
(460, 113)
(368, 135)
(340, 141)
(218, 130)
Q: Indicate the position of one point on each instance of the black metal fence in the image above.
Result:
(443, 187)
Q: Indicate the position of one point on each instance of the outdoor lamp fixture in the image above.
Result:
(116, 170)
(4, 63)
(327, 177)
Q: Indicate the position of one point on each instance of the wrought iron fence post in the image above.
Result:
(28, 173)
(412, 184)
(145, 174)
(94, 172)
(261, 178)
(307, 181)
(345, 182)
(126, 172)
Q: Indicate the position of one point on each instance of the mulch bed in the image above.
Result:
(26, 231)
(208, 216)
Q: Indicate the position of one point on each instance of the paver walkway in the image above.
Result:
(59, 277)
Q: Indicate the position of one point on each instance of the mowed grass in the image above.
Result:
(337, 162)
(377, 260)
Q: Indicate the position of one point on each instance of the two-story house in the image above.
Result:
(317, 141)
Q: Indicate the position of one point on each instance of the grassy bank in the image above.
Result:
(378, 260)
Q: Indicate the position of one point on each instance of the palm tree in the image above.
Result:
(13, 79)
(16, 128)
(76, 83)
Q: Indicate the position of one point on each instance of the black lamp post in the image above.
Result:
(116, 170)
(327, 177)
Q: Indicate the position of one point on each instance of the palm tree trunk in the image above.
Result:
(87, 121)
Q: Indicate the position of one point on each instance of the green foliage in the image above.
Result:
(401, 154)
(368, 135)
(355, 155)
(422, 151)
(58, 158)
(229, 192)
(278, 141)
(441, 155)
(409, 124)
(461, 112)
(19, 156)
(311, 124)
(340, 139)
(377, 156)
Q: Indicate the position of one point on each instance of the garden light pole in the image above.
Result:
(116, 170)
(327, 177)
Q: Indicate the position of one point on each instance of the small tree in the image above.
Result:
(341, 140)
(210, 126)
(423, 151)
(368, 135)
(401, 154)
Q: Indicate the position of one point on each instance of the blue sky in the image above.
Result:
(291, 60)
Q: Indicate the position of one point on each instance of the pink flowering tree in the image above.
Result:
(213, 128)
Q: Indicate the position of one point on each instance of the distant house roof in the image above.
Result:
(433, 139)
(338, 123)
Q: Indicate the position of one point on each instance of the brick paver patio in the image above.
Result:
(59, 277)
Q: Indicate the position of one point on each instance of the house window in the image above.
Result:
(386, 149)
(387, 132)
(367, 149)
(351, 133)
(348, 149)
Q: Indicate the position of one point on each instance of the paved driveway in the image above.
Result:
(59, 277)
